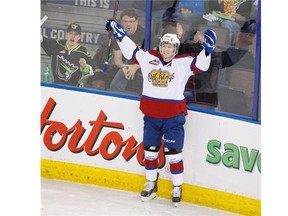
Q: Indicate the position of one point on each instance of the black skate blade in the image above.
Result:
(152, 196)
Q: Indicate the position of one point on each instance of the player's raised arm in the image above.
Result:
(204, 57)
(127, 46)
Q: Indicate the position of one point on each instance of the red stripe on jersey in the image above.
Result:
(135, 61)
(156, 53)
(151, 164)
(162, 108)
(194, 68)
(176, 168)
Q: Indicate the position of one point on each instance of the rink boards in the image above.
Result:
(96, 138)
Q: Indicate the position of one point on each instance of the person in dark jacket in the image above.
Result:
(70, 61)
(237, 13)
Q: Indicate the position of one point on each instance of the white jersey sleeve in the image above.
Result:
(127, 47)
(203, 61)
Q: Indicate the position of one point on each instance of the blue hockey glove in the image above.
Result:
(119, 31)
(210, 39)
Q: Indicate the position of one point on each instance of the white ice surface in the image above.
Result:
(63, 198)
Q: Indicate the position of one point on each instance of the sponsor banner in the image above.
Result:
(106, 4)
(86, 37)
(104, 131)
(223, 154)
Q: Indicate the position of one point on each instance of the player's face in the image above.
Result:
(129, 24)
(72, 38)
(167, 51)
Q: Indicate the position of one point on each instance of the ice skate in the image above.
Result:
(150, 190)
(176, 195)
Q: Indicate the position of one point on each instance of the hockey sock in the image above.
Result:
(151, 165)
(176, 168)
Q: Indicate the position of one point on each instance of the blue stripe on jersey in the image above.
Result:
(159, 99)
(134, 53)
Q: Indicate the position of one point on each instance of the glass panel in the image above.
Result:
(60, 61)
(227, 86)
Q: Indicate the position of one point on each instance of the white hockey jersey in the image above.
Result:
(164, 83)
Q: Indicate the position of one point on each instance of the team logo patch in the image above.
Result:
(160, 78)
(154, 62)
(65, 68)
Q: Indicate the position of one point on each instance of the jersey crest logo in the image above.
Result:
(160, 78)
(64, 68)
(154, 62)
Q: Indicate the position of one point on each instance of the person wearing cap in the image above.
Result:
(171, 24)
(70, 61)
(185, 16)
(165, 74)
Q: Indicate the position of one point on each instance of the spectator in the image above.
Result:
(243, 54)
(254, 10)
(157, 10)
(170, 23)
(127, 69)
(96, 81)
(98, 63)
(190, 15)
(70, 61)
(237, 14)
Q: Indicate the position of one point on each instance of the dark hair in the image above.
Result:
(249, 27)
(169, 16)
(129, 12)
(168, 28)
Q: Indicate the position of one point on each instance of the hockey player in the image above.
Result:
(162, 102)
